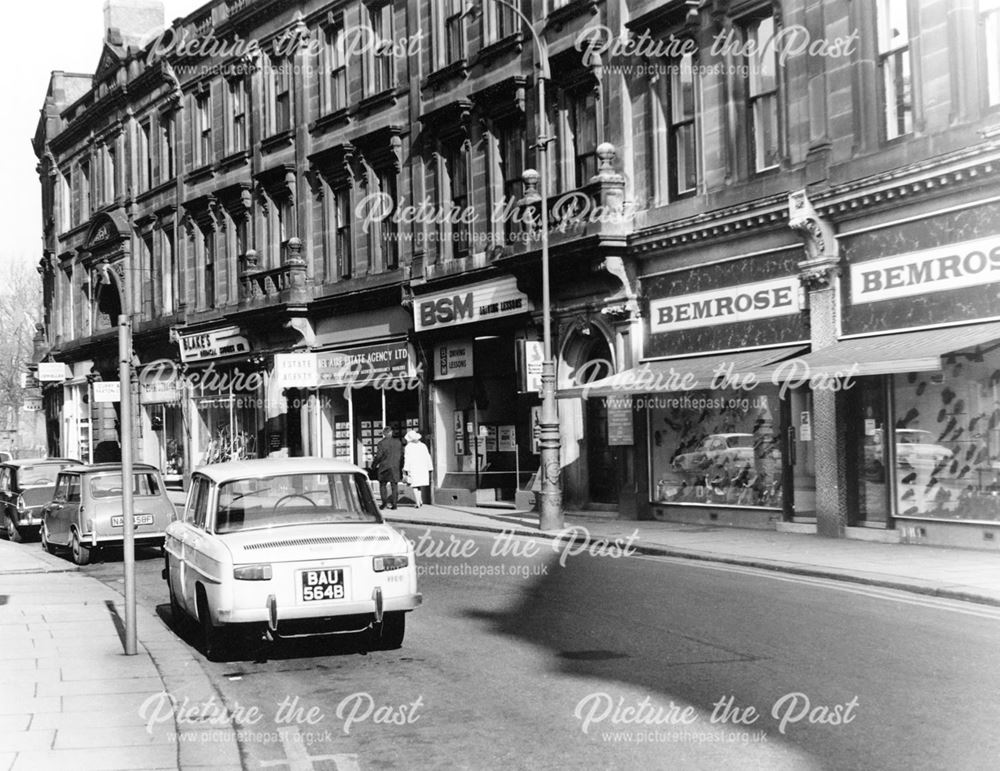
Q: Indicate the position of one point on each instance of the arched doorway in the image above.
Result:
(586, 357)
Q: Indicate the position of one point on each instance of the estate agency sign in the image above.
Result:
(465, 305)
(957, 266)
(728, 305)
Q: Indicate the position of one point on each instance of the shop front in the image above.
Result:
(726, 442)
(225, 392)
(477, 339)
(919, 330)
(163, 428)
(345, 397)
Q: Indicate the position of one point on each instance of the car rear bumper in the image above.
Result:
(261, 614)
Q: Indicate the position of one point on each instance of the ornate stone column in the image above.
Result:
(820, 277)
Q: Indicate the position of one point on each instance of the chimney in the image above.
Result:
(132, 22)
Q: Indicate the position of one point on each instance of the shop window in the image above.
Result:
(717, 448)
(894, 66)
(761, 85)
(989, 35)
(947, 441)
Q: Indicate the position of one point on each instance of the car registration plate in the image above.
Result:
(138, 519)
(326, 584)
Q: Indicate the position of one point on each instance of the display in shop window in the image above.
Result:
(947, 442)
(718, 448)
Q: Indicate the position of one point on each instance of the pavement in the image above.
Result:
(73, 699)
(960, 574)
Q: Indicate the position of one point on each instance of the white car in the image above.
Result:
(289, 547)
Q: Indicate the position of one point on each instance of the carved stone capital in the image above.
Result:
(822, 263)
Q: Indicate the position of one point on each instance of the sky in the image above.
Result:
(41, 36)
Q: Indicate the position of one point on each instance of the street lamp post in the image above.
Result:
(550, 499)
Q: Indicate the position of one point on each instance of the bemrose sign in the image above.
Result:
(729, 305)
(956, 266)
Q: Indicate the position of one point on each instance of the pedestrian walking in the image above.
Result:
(388, 465)
(417, 465)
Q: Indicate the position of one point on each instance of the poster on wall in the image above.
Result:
(453, 360)
(491, 438)
(107, 391)
(506, 439)
(531, 358)
(620, 428)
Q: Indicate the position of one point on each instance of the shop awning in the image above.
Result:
(918, 351)
(688, 374)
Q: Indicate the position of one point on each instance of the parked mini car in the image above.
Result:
(86, 509)
(26, 485)
(287, 548)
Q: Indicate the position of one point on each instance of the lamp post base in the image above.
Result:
(550, 497)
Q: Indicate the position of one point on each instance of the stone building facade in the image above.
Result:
(753, 186)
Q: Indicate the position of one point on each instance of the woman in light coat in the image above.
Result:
(417, 465)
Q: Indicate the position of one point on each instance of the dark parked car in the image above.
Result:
(85, 512)
(27, 484)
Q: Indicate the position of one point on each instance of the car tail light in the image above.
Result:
(252, 572)
(21, 507)
(380, 564)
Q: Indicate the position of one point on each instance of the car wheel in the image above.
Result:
(13, 534)
(46, 544)
(390, 635)
(81, 553)
(211, 636)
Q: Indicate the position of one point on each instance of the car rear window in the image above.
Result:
(110, 485)
(39, 474)
(293, 499)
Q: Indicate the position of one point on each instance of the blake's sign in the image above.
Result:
(464, 305)
(212, 344)
(730, 305)
(969, 263)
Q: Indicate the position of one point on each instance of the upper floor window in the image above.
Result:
(454, 30)
(761, 82)
(109, 175)
(895, 79)
(675, 150)
(281, 116)
(338, 204)
(511, 147)
(65, 200)
(145, 155)
(455, 191)
(203, 119)
(581, 136)
(334, 85)
(84, 191)
(378, 57)
(499, 22)
(208, 267)
(237, 112)
(388, 228)
(989, 23)
(167, 146)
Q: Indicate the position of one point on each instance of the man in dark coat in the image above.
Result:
(388, 465)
